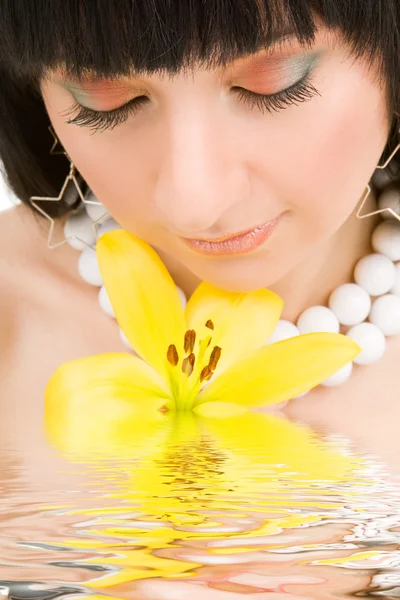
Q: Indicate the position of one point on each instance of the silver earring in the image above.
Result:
(70, 193)
(369, 190)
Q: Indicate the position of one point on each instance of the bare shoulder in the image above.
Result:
(13, 221)
(11, 275)
(11, 238)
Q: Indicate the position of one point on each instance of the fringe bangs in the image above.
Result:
(112, 37)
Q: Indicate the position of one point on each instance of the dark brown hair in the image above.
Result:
(110, 38)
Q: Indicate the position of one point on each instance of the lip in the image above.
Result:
(238, 243)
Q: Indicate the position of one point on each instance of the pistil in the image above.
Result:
(186, 390)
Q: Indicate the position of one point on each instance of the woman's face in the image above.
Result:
(205, 155)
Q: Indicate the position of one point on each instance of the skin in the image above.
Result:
(197, 162)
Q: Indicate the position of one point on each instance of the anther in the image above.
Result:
(206, 374)
(172, 355)
(210, 324)
(190, 339)
(214, 358)
(188, 364)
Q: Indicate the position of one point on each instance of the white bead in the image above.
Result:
(81, 226)
(390, 198)
(95, 211)
(384, 177)
(105, 303)
(109, 225)
(385, 314)
(376, 274)
(301, 395)
(350, 303)
(284, 330)
(339, 377)
(125, 339)
(88, 267)
(371, 341)
(394, 168)
(396, 288)
(386, 239)
(381, 178)
(318, 319)
(182, 296)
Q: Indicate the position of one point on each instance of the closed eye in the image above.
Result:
(297, 93)
(105, 119)
(96, 120)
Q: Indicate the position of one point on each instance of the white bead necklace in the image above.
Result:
(368, 308)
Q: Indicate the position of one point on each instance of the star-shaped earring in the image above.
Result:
(369, 190)
(98, 222)
(56, 150)
(70, 193)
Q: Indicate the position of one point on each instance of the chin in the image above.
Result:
(243, 277)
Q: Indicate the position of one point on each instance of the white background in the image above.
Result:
(7, 198)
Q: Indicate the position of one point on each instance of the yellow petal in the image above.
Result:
(282, 371)
(143, 295)
(97, 399)
(243, 321)
(219, 410)
(267, 444)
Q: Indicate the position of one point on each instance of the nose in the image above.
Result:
(201, 176)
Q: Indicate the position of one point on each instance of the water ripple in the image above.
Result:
(200, 518)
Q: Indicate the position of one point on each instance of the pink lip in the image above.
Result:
(239, 243)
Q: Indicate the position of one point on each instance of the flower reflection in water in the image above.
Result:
(195, 482)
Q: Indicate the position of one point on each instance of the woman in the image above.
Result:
(194, 124)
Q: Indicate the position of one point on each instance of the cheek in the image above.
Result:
(342, 148)
(117, 173)
(327, 149)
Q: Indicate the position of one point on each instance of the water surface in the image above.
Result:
(258, 507)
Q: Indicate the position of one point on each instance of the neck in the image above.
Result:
(329, 265)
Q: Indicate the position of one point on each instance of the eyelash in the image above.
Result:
(300, 92)
(102, 120)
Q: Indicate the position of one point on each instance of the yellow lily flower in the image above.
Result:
(210, 358)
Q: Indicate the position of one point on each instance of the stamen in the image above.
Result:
(172, 355)
(206, 374)
(214, 358)
(190, 339)
(188, 364)
(210, 324)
